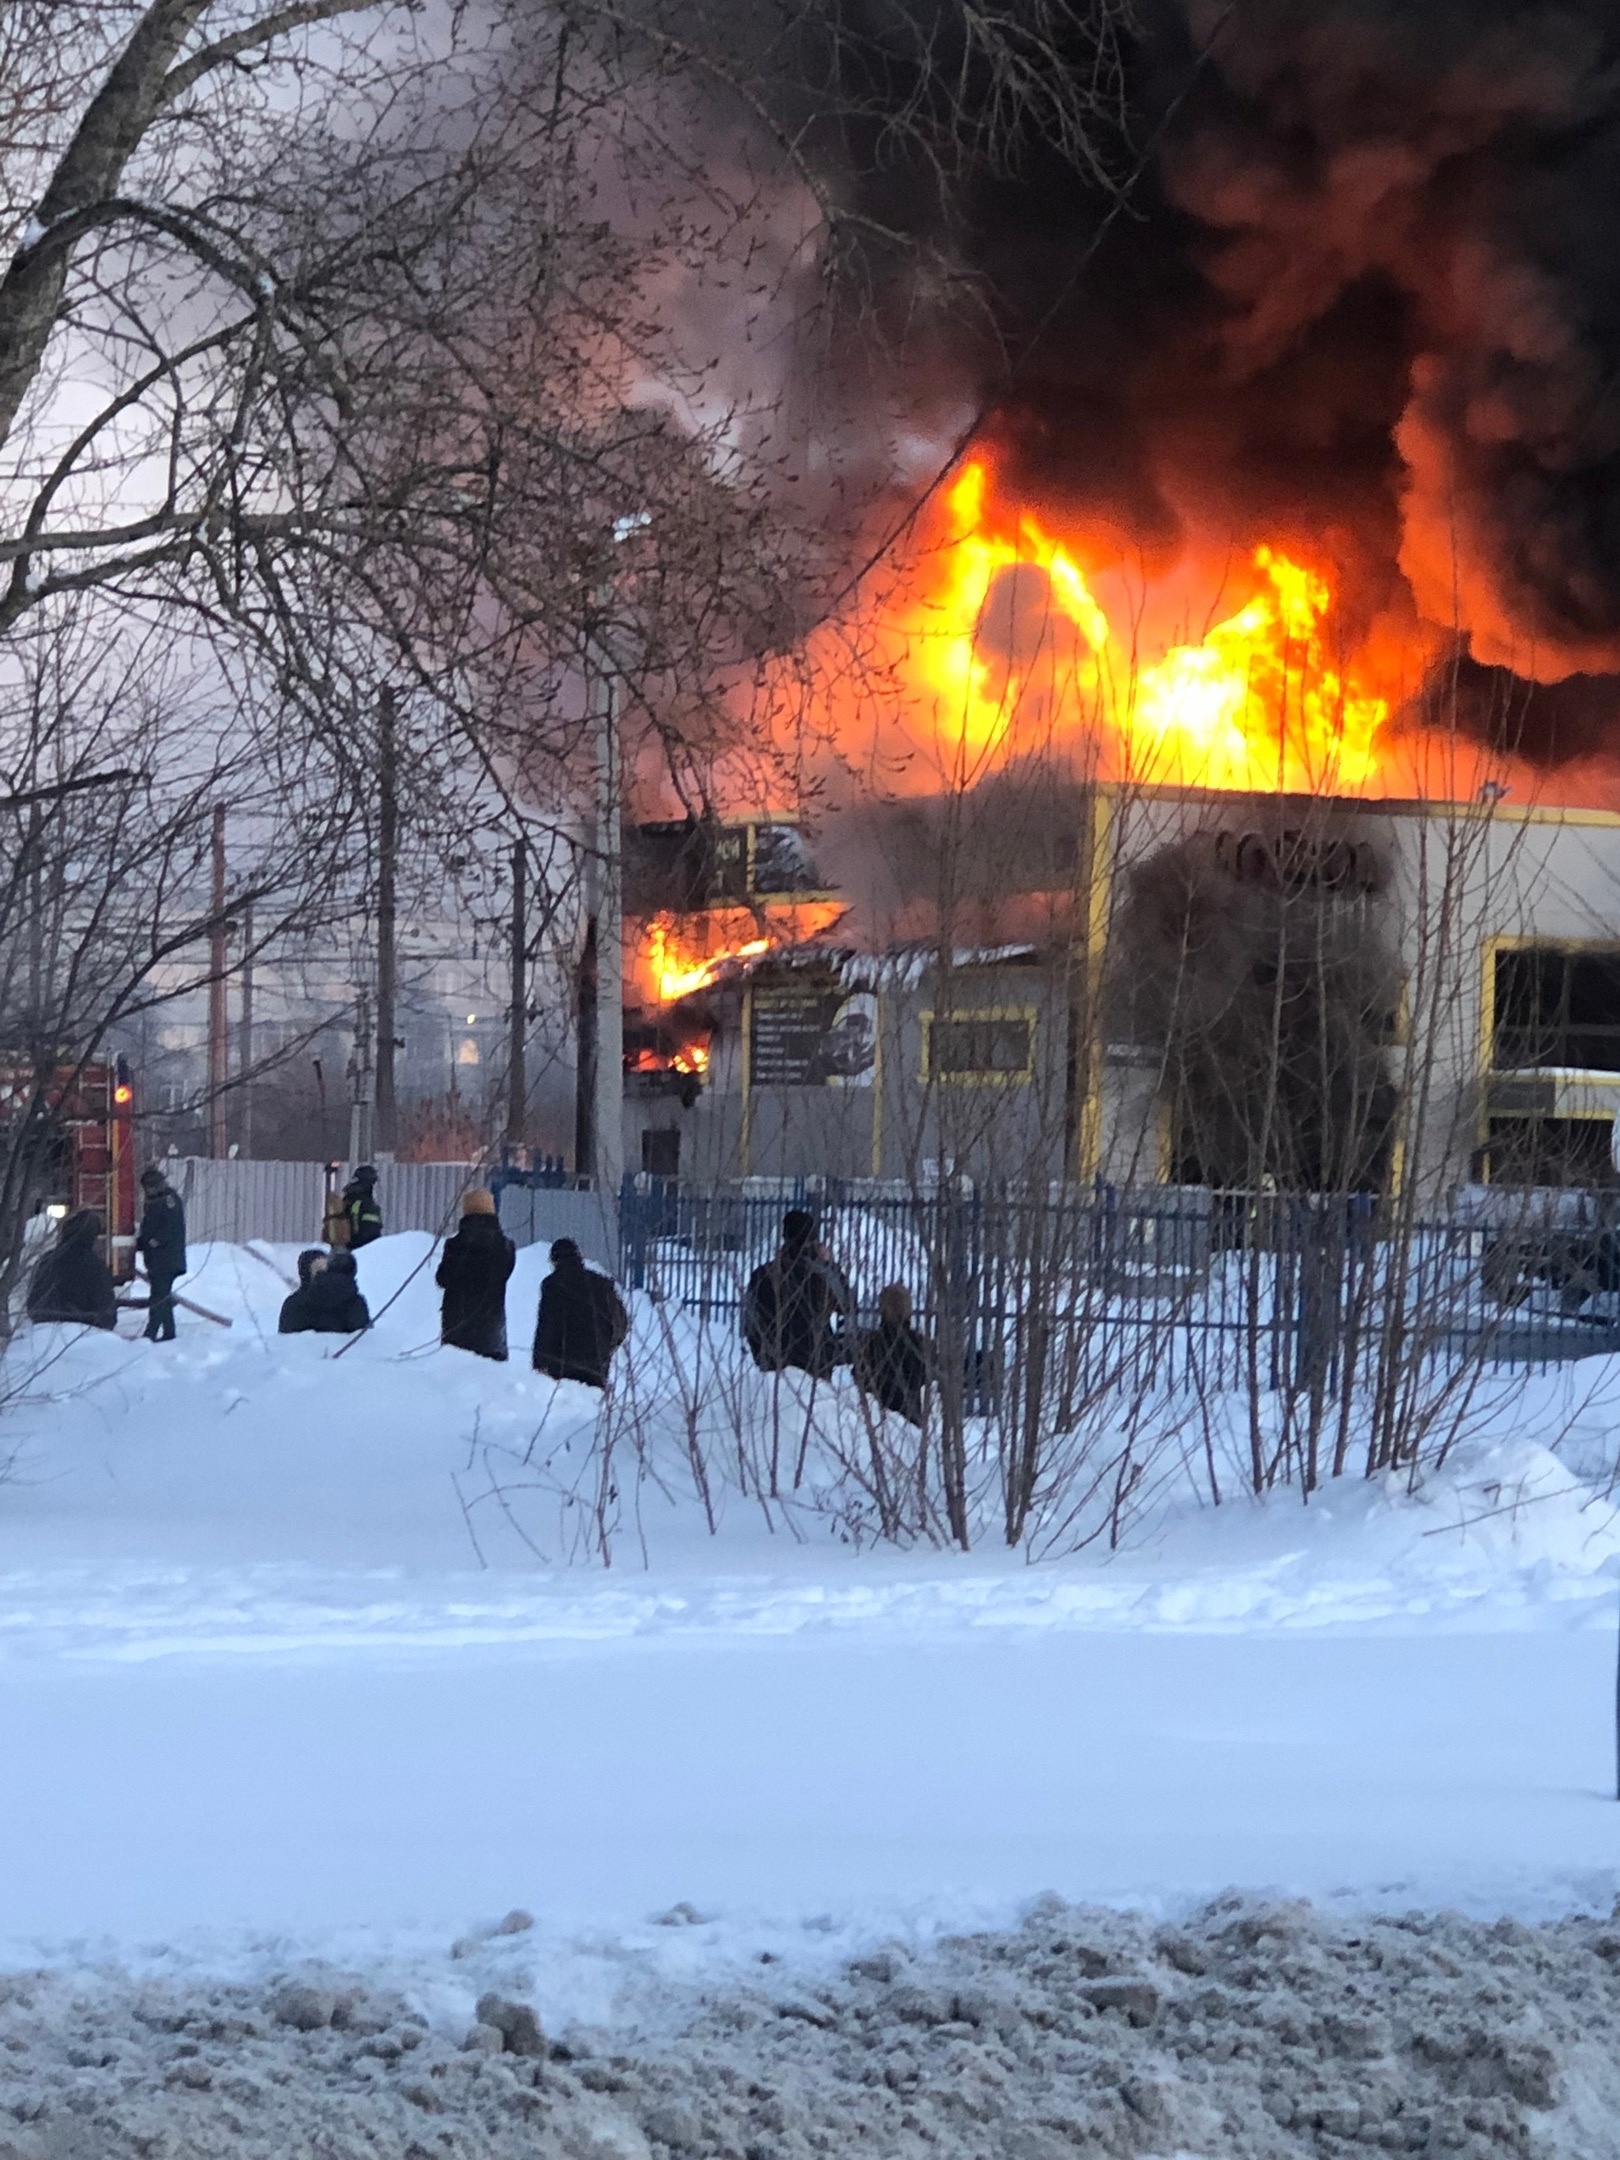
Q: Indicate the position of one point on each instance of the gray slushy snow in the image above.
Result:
(1250, 2030)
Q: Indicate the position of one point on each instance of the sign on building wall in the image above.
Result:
(807, 1030)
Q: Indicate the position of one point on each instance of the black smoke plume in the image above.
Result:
(1365, 291)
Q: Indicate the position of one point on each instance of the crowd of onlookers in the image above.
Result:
(799, 1313)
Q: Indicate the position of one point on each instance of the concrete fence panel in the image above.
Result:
(534, 1215)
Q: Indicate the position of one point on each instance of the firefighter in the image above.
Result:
(161, 1243)
(72, 1283)
(581, 1321)
(361, 1211)
(473, 1272)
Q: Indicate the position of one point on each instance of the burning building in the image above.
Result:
(1271, 905)
(1168, 985)
(1227, 790)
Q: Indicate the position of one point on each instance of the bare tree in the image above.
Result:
(107, 907)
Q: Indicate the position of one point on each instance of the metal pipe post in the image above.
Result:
(387, 909)
(218, 1052)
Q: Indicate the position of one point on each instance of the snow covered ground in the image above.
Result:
(307, 1668)
(262, 1702)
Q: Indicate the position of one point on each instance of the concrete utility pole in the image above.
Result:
(218, 1052)
(244, 1041)
(387, 908)
(599, 1101)
(608, 1166)
(585, 1040)
(360, 1100)
(599, 1115)
(517, 1066)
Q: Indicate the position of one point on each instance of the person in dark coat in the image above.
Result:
(581, 1321)
(795, 1303)
(161, 1243)
(294, 1309)
(892, 1362)
(473, 1272)
(328, 1301)
(72, 1282)
(361, 1208)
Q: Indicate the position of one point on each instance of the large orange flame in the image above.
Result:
(675, 956)
(1259, 702)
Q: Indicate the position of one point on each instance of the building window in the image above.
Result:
(1551, 1151)
(992, 1048)
(1556, 1006)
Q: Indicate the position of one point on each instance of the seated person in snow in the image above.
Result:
(292, 1322)
(893, 1364)
(72, 1282)
(327, 1300)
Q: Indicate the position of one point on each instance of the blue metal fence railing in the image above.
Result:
(1166, 1287)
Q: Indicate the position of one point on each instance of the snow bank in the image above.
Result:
(291, 1667)
(1249, 2031)
(211, 1487)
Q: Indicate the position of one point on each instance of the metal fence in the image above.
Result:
(281, 1202)
(1158, 1287)
(1167, 1287)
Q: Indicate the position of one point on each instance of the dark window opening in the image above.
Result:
(1211, 1144)
(1554, 1007)
(661, 1153)
(980, 1046)
(1551, 1151)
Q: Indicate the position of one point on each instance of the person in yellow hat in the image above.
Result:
(473, 1273)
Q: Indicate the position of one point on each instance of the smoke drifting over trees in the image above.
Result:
(1363, 291)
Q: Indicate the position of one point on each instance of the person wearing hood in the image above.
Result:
(72, 1283)
(581, 1321)
(362, 1211)
(294, 1310)
(893, 1364)
(473, 1272)
(327, 1300)
(794, 1304)
(161, 1243)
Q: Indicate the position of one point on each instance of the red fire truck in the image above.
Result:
(88, 1156)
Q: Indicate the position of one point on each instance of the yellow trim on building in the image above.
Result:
(1525, 941)
(880, 1014)
(1099, 867)
(1022, 1077)
(1509, 813)
(746, 1136)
